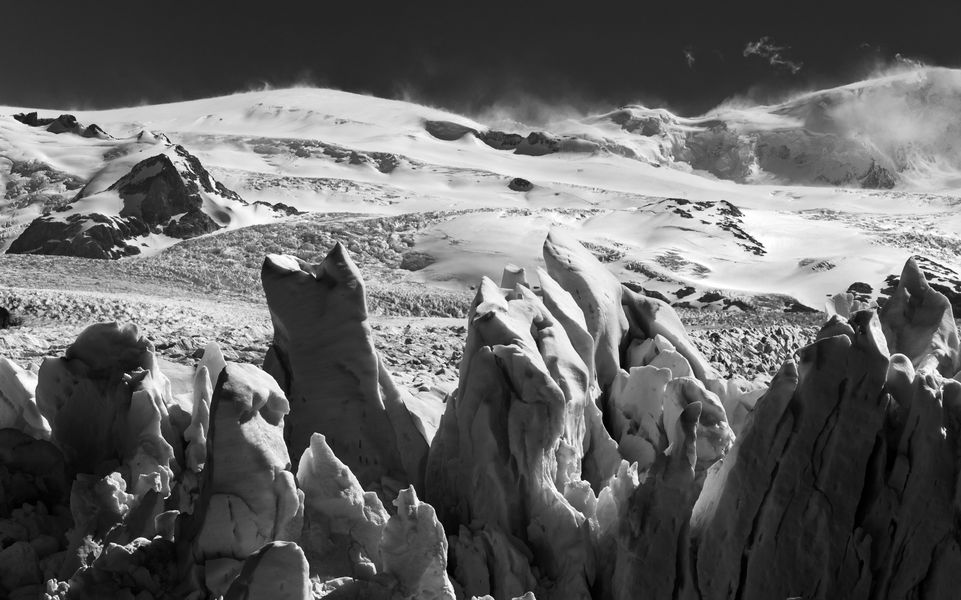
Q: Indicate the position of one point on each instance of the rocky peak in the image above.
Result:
(65, 123)
(169, 193)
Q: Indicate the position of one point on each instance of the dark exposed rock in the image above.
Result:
(84, 236)
(538, 143)
(168, 193)
(634, 287)
(859, 287)
(878, 178)
(710, 297)
(520, 185)
(281, 207)
(94, 131)
(797, 307)
(155, 189)
(193, 223)
(644, 125)
(415, 261)
(447, 131)
(65, 123)
(32, 119)
(500, 140)
(4, 317)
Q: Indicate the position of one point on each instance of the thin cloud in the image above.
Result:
(765, 48)
(689, 57)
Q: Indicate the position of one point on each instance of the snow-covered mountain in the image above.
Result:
(797, 200)
(162, 199)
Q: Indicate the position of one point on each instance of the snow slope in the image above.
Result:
(746, 201)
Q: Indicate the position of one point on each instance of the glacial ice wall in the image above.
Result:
(589, 451)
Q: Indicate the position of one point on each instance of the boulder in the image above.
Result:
(520, 185)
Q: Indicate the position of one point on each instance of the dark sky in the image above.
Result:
(458, 54)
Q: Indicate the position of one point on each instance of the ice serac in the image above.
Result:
(601, 457)
(499, 459)
(714, 435)
(414, 549)
(323, 356)
(909, 511)
(142, 568)
(782, 516)
(918, 322)
(107, 403)
(278, 571)
(636, 407)
(651, 551)
(206, 375)
(248, 494)
(18, 406)
(649, 317)
(563, 308)
(343, 524)
(736, 489)
(513, 275)
(596, 292)
(33, 517)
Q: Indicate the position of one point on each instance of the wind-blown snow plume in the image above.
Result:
(774, 54)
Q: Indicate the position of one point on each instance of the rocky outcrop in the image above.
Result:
(520, 185)
(535, 143)
(85, 236)
(65, 123)
(323, 356)
(170, 194)
(448, 130)
(169, 185)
